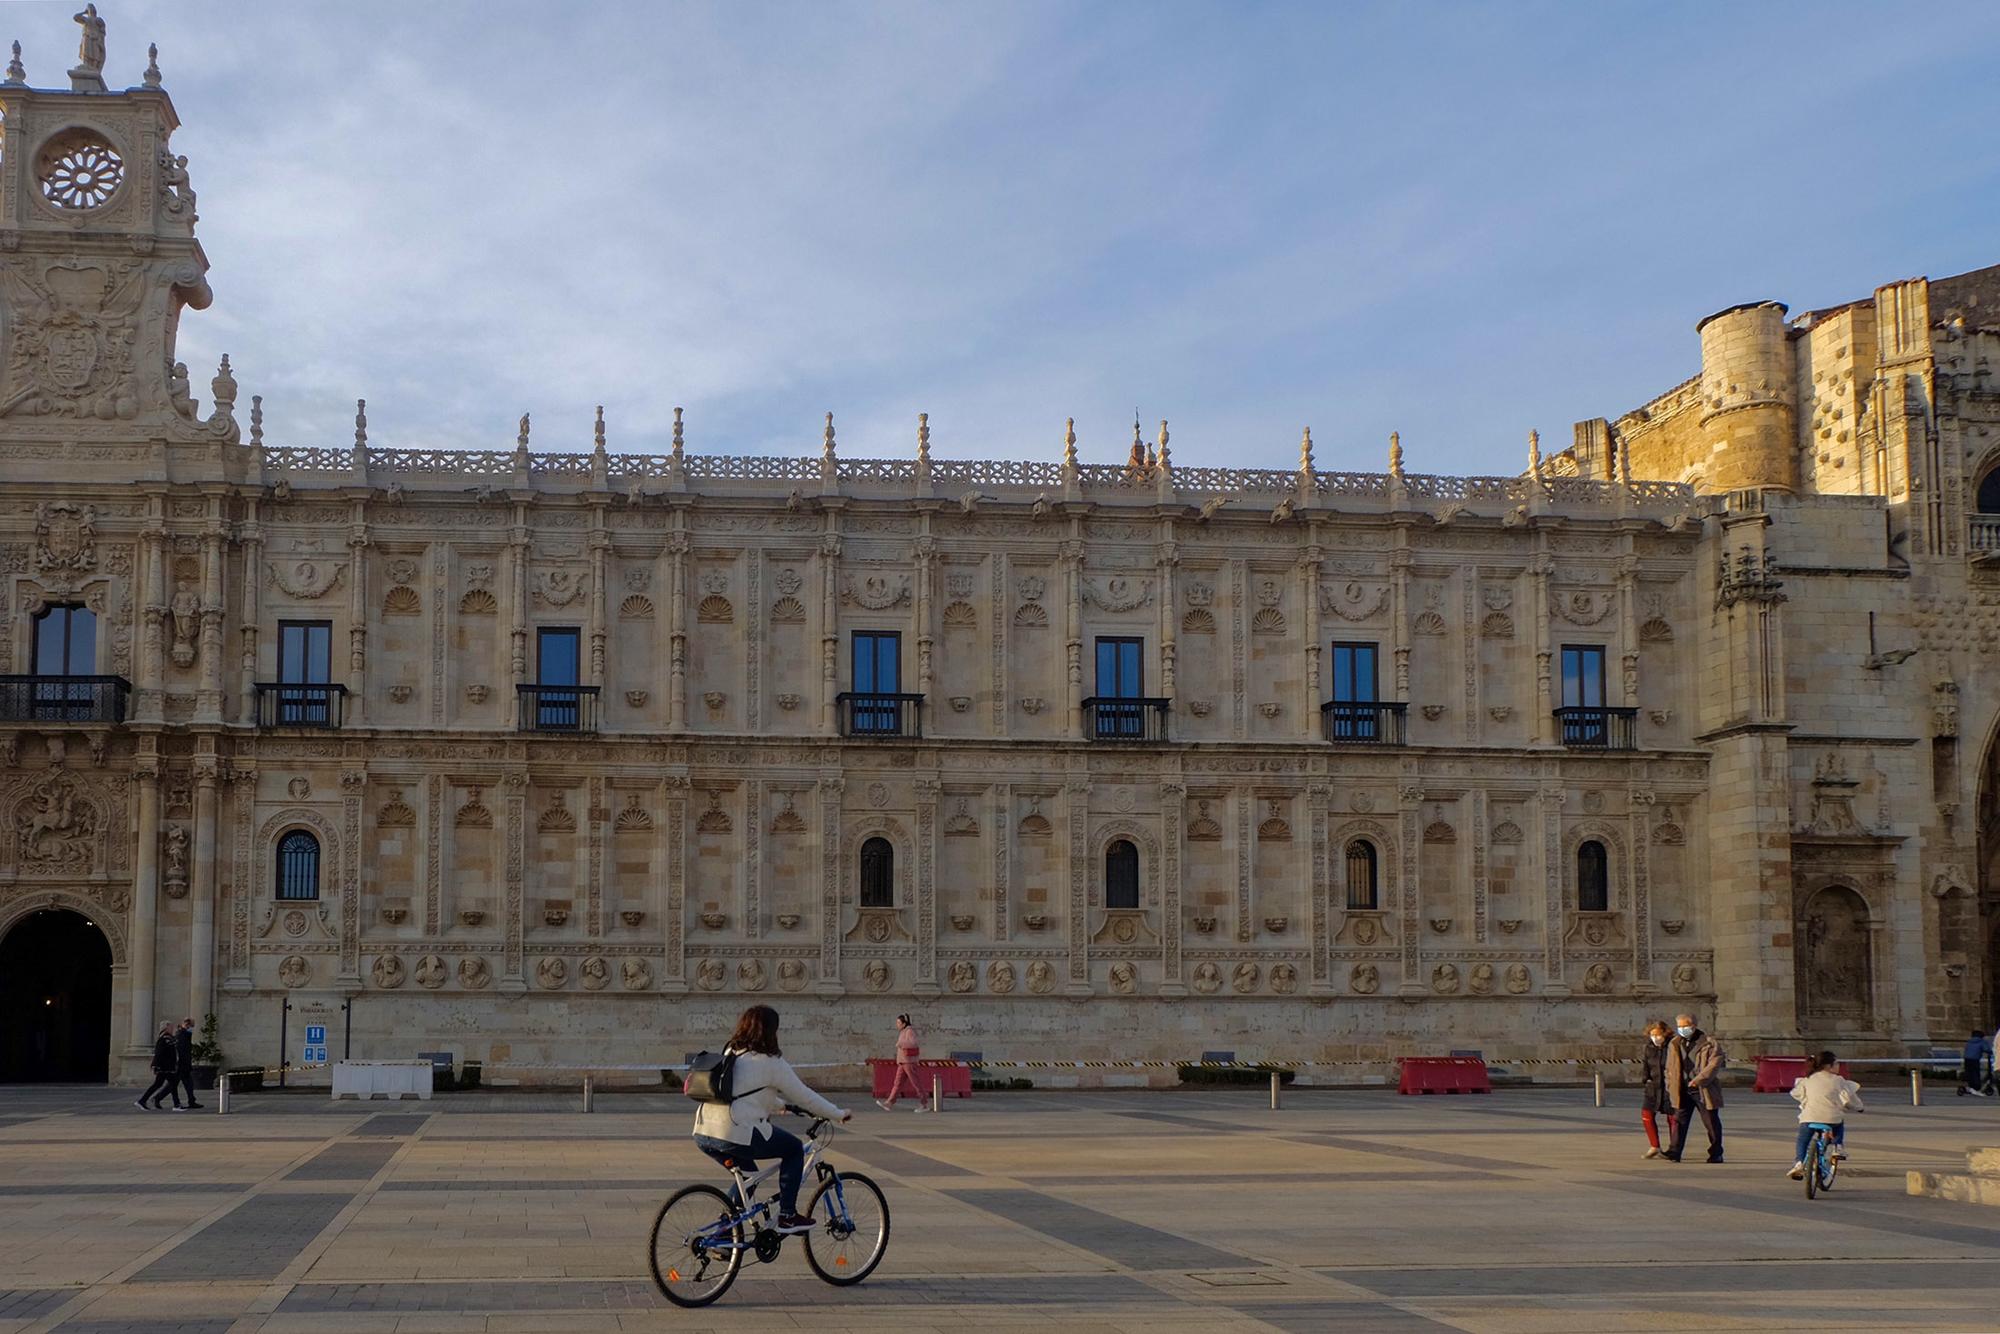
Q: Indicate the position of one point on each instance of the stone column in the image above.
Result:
(677, 559)
(1166, 558)
(145, 906)
(201, 945)
(1072, 575)
(1076, 839)
(600, 543)
(1409, 838)
(673, 913)
(253, 581)
(1309, 582)
(1538, 614)
(517, 599)
(1628, 628)
(208, 705)
(1551, 800)
(927, 833)
(1320, 887)
(830, 788)
(514, 977)
(925, 550)
(829, 628)
(356, 707)
(1399, 591)
(150, 704)
(1173, 807)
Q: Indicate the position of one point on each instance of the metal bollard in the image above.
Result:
(1916, 1088)
(589, 1091)
(1277, 1091)
(222, 1095)
(937, 1093)
(1597, 1086)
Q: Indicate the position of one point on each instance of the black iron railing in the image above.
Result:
(1374, 723)
(557, 708)
(1106, 718)
(1598, 728)
(869, 714)
(63, 699)
(290, 704)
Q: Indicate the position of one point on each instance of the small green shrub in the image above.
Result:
(1213, 1075)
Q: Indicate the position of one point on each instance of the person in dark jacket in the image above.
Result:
(184, 1059)
(1653, 1099)
(1694, 1085)
(166, 1069)
(1977, 1052)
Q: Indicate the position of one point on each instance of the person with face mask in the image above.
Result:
(1693, 1084)
(1653, 1084)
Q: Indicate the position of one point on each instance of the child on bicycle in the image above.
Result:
(738, 1133)
(1824, 1097)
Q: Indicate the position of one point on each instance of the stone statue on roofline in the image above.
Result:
(88, 76)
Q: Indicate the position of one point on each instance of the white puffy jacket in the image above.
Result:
(764, 1085)
(1825, 1097)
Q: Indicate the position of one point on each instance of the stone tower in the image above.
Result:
(97, 260)
(1747, 399)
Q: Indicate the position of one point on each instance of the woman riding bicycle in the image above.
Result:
(1824, 1098)
(738, 1133)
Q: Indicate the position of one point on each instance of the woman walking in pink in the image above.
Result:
(906, 1067)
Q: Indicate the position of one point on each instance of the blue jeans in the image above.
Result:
(1805, 1133)
(783, 1145)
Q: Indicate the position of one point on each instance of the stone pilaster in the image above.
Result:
(927, 835)
(202, 894)
(145, 908)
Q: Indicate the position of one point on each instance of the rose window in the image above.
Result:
(80, 170)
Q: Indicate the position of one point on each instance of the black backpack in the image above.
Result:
(711, 1077)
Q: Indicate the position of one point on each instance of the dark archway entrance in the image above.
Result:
(55, 1000)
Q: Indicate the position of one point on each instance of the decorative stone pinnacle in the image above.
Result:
(1535, 455)
(152, 78)
(17, 73)
(1306, 450)
(677, 435)
(521, 440)
(1395, 454)
(361, 423)
(826, 443)
(1166, 458)
(1069, 443)
(600, 428)
(257, 420)
(923, 439)
(1137, 461)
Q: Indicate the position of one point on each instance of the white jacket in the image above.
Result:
(764, 1085)
(1825, 1098)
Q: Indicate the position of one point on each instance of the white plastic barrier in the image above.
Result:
(393, 1079)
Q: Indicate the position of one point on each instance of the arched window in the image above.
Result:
(1593, 878)
(298, 866)
(878, 874)
(1989, 493)
(1121, 875)
(1361, 885)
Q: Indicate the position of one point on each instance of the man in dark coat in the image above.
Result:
(164, 1081)
(1693, 1080)
(184, 1059)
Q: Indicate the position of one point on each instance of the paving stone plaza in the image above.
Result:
(1115, 1211)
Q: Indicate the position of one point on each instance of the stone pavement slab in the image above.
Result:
(1122, 1212)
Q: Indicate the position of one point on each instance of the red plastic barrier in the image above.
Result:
(957, 1077)
(1444, 1074)
(1776, 1074)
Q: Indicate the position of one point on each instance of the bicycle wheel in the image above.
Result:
(696, 1247)
(850, 1228)
(1812, 1167)
(1829, 1167)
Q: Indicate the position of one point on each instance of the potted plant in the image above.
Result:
(207, 1053)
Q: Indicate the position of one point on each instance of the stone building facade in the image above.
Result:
(561, 754)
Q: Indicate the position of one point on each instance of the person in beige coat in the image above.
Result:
(1694, 1084)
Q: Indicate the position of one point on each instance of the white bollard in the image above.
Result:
(937, 1093)
(1916, 1088)
(1277, 1091)
(589, 1091)
(1597, 1085)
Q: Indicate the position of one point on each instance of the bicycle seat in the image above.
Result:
(1820, 1125)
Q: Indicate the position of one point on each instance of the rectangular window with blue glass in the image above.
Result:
(1356, 685)
(877, 680)
(1121, 675)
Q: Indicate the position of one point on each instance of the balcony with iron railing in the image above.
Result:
(1373, 723)
(292, 704)
(1597, 728)
(556, 708)
(876, 715)
(63, 699)
(1108, 718)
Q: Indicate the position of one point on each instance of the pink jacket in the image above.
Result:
(906, 1046)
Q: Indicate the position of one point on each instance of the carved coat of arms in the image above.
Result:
(65, 536)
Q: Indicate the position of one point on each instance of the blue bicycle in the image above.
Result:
(701, 1236)
(1820, 1161)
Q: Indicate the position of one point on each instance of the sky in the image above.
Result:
(1457, 221)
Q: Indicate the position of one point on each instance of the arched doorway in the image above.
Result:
(55, 1000)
